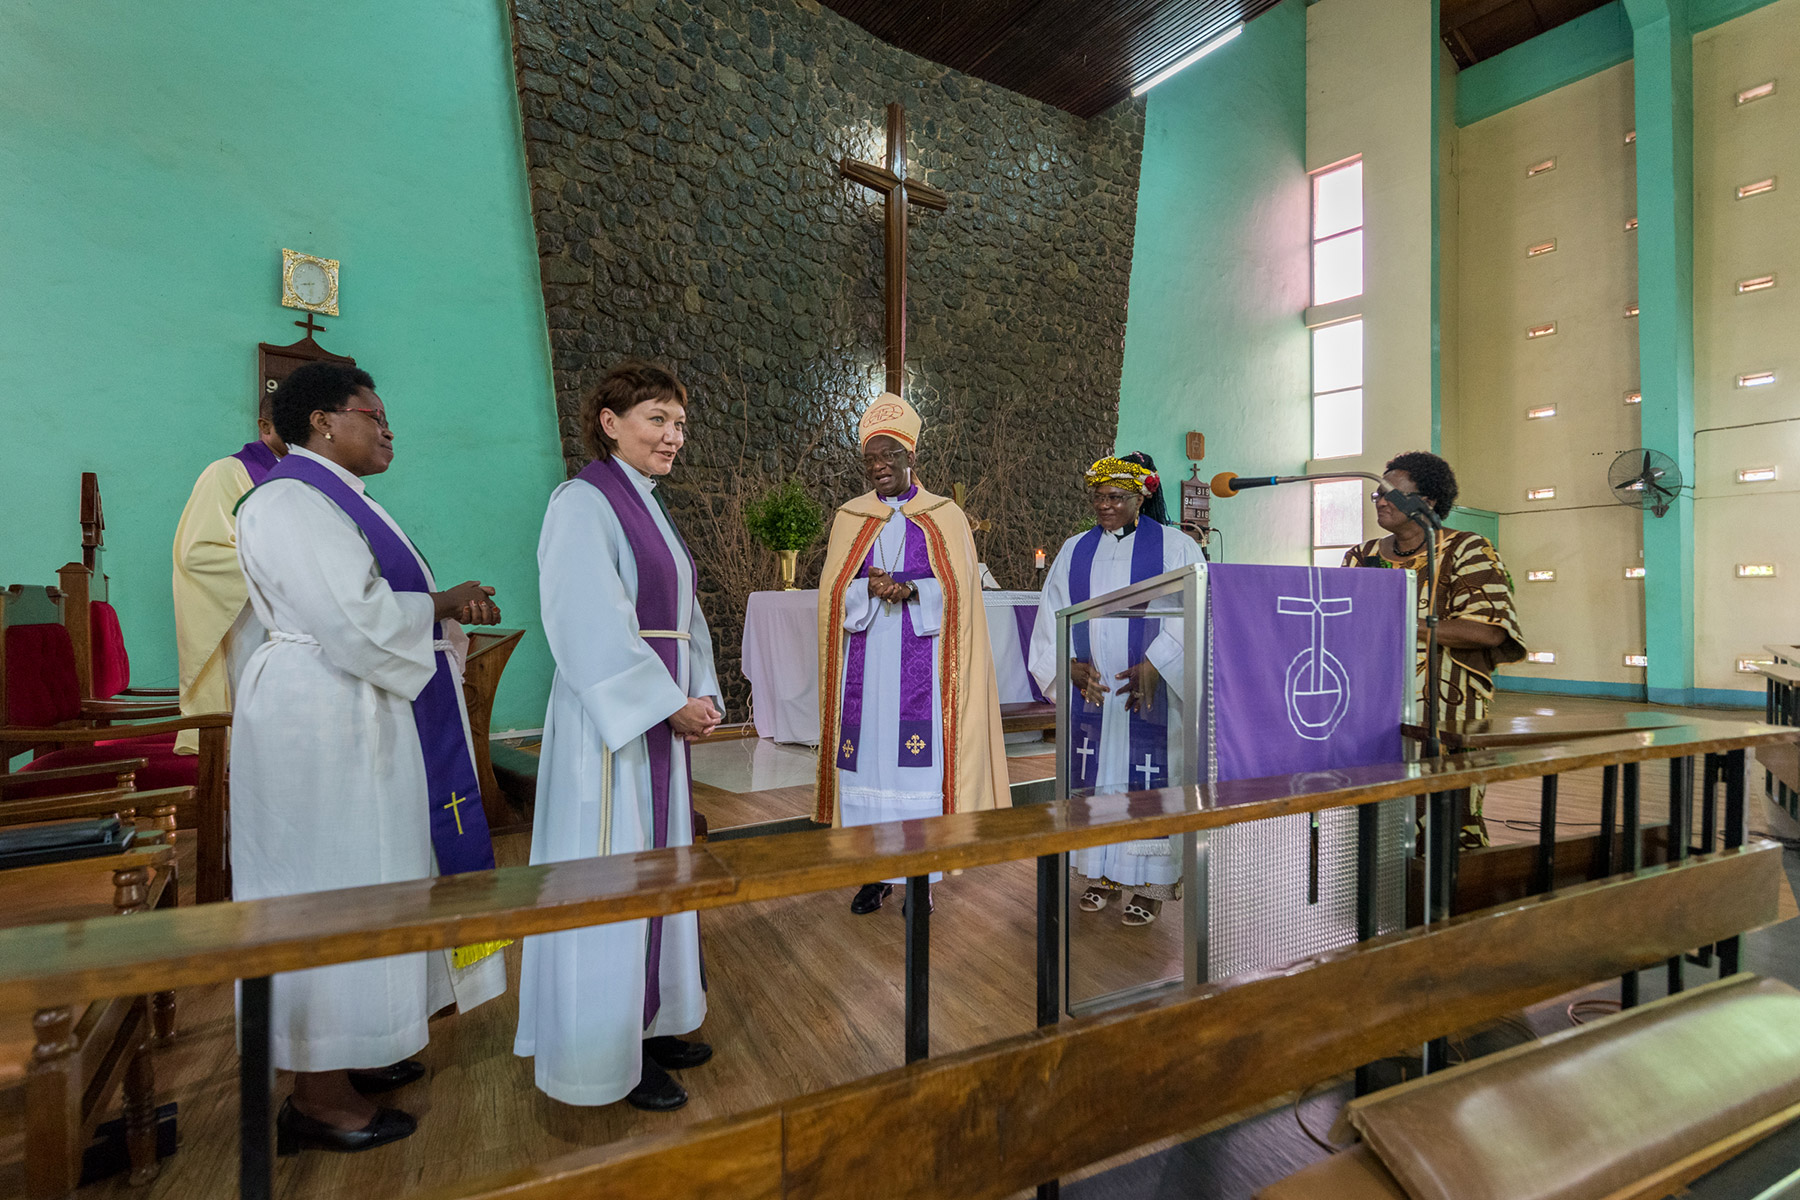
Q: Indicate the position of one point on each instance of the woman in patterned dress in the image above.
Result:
(1478, 628)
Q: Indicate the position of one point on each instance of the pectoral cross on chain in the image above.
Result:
(898, 193)
(455, 807)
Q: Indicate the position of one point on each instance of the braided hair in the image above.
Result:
(1153, 506)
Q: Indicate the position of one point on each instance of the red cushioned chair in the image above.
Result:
(46, 716)
(102, 666)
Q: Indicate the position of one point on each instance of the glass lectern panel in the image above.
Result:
(1128, 708)
(1321, 657)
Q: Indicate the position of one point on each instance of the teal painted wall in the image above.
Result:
(1214, 339)
(154, 160)
(1663, 81)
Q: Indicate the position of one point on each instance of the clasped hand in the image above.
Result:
(468, 603)
(695, 719)
(883, 587)
(1139, 688)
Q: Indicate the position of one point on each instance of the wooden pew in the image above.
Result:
(55, 964)
(1714, 898)
(84, 1054)
(993, 1120)
(1782, 762)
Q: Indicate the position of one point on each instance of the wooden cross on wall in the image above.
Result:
(898, 193)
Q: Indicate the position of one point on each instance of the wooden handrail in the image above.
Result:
(46, 965)
(987, 1122)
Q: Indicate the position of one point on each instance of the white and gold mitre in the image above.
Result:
(893, 416)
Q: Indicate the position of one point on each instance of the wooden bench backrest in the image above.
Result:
(991, 1121)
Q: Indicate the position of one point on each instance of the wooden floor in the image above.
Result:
(804, 995)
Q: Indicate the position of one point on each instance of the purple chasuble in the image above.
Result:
(916, 734)
(459, 829)
(660, 600)
(258, 460)
(1149, 728)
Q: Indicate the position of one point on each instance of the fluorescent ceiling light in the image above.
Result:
(1540, 576)
(1189, 61)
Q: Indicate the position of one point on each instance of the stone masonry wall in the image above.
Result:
(684, 183)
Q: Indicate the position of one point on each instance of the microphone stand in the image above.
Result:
(1419, 511)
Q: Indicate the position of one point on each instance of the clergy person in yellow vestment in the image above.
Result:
(213, 618)
(909, 710)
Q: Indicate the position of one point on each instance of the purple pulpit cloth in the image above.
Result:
(1309, 667)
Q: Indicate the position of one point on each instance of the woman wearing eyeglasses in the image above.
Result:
(350, 759)
(1478, 628)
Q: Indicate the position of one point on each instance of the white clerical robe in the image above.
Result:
(215, 627)
(1148, 860)
(327, 778)
(880, 789)
(581, 991)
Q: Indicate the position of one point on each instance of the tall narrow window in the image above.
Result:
(1338, 390)
(1338, 275)
(1338, 233)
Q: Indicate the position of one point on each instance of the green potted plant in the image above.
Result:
(787, 521)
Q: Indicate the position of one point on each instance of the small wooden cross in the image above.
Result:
(311, 326)
(898, 192)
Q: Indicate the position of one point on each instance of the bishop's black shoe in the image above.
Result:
(869, 898)
(673, 1054)
(295, 1131)
(655, 1091)
(376, 1080)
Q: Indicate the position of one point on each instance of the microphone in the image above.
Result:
(1227, 484)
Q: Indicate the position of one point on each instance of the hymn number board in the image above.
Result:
(276, 363)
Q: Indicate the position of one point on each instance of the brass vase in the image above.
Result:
(790, 561)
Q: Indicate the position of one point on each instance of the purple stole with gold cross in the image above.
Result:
(660, 603)
(916, 734)
(459, 829)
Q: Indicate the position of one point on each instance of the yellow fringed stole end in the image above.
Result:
(464, 957)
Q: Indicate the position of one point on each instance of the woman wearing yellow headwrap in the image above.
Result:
(1127, 674)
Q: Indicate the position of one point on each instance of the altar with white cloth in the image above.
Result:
(781, 658)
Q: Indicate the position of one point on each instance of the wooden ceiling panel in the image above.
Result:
(1083, 56)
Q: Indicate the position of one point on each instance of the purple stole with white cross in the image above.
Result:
(459, 829)
(1149, 727)
(660, 601)
(916, 734)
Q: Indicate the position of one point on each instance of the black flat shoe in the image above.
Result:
(295, 1131)
(673, 1054)
(376, 1080)
(869, 898)
(656, 1092)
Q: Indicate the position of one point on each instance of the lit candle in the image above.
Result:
(1037, 558)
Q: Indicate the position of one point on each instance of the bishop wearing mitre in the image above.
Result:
(909, 710)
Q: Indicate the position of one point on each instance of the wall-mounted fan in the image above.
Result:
(1644, 479)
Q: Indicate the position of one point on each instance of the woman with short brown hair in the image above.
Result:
(599, 1007)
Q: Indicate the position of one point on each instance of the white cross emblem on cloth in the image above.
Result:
(1147, 769)
(1086, 752)
(1318, 686)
